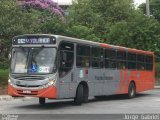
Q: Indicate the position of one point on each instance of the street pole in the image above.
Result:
(147, 8)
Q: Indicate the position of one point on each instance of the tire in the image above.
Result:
(79, 95)
(131, 90)
(42, 101)
(85, 95)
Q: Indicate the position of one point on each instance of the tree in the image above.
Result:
(116, 22)
(140, 32)
(42, 5)
(12, 22)
(100, 14)
(154, 8)
(26, 18)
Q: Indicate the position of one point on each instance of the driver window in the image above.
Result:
(66, 58)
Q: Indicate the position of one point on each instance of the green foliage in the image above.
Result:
(83, 32)
(100, 14)
(140, 32)
(16, 20)
(157, 69)
(52, 25)
(116, 22)
(3, 77)
(154, 8)
(4, 63)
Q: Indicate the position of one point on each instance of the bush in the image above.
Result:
(4, 63)
(157, 70)
(3, 77)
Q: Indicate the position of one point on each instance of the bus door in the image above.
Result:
(66, 60)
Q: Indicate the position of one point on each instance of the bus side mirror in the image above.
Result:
(9, 56)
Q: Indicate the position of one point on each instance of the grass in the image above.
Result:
(3, 77)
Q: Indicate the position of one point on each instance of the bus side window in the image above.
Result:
(97, 57)
(149, 62)
(141, 62)
(66, 58)
(121, 59)
(83, 56)
(131, 59)
(110, 58)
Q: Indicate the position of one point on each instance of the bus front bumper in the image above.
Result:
(50, 92)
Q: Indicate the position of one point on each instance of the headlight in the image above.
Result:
(50, 83)
(9, 80)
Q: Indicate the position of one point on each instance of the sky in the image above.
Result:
(63, 2)
(137, 2)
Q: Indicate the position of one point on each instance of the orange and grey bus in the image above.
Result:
(59, 67)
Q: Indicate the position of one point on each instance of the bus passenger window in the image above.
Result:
(131, 60)
(149, 62)
(121, 65)
(97, 57)
(110, 63)
(110, 58)
(66, 58)
(83, 56)
(141, 62)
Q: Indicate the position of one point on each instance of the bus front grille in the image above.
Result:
(31, 78)
(28, 85)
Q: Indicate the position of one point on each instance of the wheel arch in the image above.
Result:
(85, 85)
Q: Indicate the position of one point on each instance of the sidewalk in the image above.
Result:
(9, 98)
(5, 98)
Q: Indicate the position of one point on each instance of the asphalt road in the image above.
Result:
(144, 103)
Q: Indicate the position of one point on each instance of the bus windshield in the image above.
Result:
(33, 60)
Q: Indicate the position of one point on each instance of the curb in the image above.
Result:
(5, 98)
(156, 87)
(9, 98)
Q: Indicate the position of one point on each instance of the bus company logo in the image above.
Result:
(9, 117)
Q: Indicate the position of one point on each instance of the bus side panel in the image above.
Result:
(143, 81)
(146, 79)
(86, 75)
(111, 82)
(124, 81)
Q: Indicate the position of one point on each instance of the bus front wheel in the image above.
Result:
(131, 90)
(79, 95)
(42, 101)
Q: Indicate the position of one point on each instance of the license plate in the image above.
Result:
(26, 91)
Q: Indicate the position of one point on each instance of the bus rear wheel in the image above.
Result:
(131, 90)
(42, 101)
(79, 95)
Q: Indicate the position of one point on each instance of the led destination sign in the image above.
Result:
(34, 40)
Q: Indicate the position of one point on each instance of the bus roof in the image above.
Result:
(104, 45)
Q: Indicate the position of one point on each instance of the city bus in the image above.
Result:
(59, 67)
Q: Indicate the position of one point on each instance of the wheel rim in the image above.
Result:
(132, 91)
